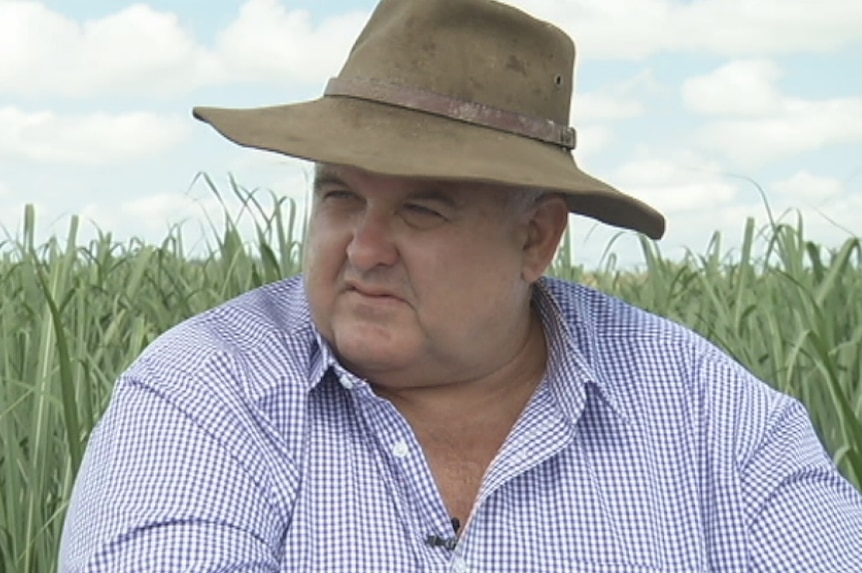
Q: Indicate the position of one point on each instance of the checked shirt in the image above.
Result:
(237, 443)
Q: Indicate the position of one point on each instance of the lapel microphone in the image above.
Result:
(437, 541)
(449, 543)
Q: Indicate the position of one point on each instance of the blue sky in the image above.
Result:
(673, 100)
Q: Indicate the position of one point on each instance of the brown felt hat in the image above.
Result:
(447, 89)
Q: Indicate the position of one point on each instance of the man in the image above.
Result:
(421, 399)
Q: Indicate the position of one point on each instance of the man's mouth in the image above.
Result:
(372, 291)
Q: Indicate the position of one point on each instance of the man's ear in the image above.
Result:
(548, 220)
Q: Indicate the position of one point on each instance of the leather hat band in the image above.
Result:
(466, 111)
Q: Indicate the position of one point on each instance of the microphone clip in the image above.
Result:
(437, 541)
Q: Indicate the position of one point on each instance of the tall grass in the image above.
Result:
(73, 315)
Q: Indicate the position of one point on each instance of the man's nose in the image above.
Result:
(372, 244)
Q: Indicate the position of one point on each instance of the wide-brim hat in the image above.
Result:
(469, 90)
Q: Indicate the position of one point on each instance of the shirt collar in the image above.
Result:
(325, 363)
(322, 360)
(571, 349)
(572, 352)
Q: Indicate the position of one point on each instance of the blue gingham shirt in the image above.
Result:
(238, 443)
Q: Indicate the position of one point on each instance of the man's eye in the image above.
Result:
(421, 217)
(339, 195)
(422, 210)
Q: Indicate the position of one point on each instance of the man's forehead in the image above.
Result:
(341, 172)
(327, 173)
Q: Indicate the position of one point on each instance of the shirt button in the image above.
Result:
(459, 565)
(400, 450)
(346, 382)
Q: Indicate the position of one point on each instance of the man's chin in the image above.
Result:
(373, 350)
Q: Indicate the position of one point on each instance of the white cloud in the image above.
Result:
(4, 191)
(142, 51)
(11, 222)
(838, 219)
(760, 124)
(592, 140)
(616, 101)
(163, 208)
(807, 187)
(698, 204)
(199, 216)
(609, 103)
(745, 87)
(269, 42)
(799, 126)
(597, 106)
(686, 197)
(150, 217)
(136, 50)
(93, 139)
(828, 222)
(637, 29)
(267, 174)
(677, 183)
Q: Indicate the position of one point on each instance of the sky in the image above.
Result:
(708, 110)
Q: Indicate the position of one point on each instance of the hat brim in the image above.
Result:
(394, 141)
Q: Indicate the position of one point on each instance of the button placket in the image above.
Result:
(412, 481)
(459, 565)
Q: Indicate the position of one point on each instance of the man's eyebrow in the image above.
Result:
(324, 175)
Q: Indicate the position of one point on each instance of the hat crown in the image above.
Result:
(467, 90)
(473, 50)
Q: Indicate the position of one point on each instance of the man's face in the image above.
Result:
(413, 279)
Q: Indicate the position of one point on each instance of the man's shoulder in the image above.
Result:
(642, 358)
(265, 328)
(609, 317)
(624, 343)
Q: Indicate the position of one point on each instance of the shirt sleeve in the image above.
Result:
(159, 490)
(805, 515)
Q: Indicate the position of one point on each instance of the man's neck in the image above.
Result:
(461, 427)
(473, 409)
